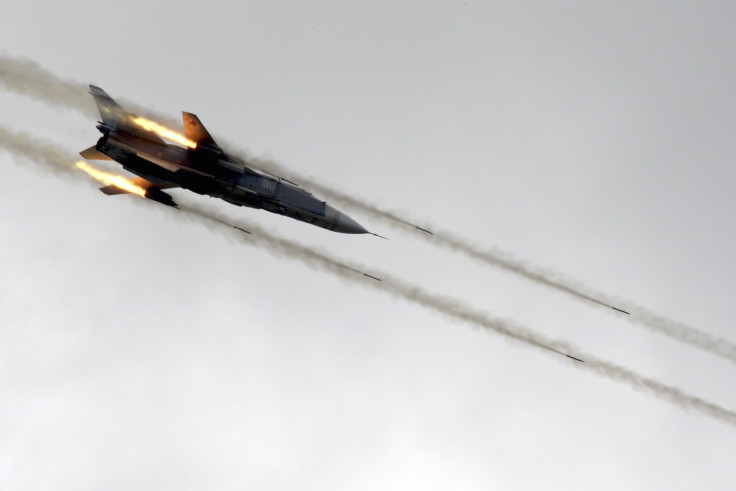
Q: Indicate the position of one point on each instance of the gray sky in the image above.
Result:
(593, 138)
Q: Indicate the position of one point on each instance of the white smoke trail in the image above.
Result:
(639, 315)
(495, 257)
(29, 78)
(456, 310)
(40, 153)
(50, 156)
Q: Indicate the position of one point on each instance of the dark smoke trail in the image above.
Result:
(455, 309)
(27, 77)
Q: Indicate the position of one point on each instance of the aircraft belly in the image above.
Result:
(152, 155)
(166, 165)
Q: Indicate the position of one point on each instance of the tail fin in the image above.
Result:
(195, 131)
(111, 112)
(115, 117)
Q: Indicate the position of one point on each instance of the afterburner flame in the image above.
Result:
(164, 132)
(111, 179)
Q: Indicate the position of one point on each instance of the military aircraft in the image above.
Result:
(202, 167)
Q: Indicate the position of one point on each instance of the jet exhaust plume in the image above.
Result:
(164, 132)
(456, 310)
(111, 179)
(47, 157)
(27, 77)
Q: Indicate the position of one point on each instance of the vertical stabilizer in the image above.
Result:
(115, 117)
(111, 112)
(195, 131)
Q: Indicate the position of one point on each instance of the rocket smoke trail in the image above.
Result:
(38, 152)
(639, 315)
(454, 309)
(450, 307)
(504, 260)
(27, 77)
(495, 257)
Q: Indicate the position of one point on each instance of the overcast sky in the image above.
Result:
(592, 138)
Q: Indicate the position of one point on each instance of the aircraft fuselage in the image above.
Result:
(220, 176)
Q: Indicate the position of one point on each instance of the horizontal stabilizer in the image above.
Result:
(93, 154)
(113, 190)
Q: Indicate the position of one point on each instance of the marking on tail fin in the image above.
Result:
(195, 131)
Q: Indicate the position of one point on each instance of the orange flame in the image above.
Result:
(111, 179)
(164, 132)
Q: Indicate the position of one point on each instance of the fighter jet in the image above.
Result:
(202, 167)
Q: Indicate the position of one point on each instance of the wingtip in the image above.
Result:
(380, 236)
(576, 359)
(424, 230)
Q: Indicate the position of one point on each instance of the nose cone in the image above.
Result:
(347, 225)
